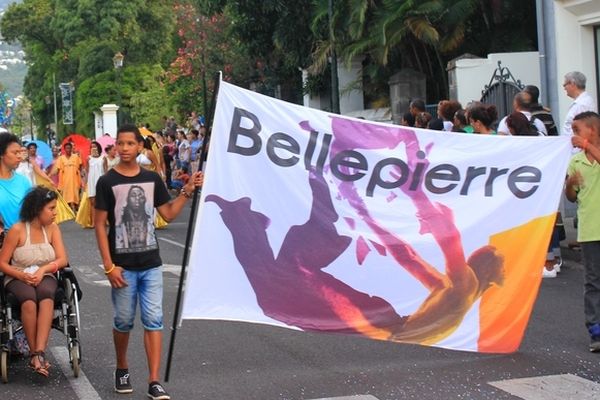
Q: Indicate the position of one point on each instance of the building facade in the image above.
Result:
(569, 40)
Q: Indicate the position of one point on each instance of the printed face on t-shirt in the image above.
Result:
(134, 218)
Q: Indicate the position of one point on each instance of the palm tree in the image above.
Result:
(419, 31)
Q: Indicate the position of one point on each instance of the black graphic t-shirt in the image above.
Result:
(130, 203)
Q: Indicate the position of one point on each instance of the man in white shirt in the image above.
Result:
(184, 150)
(521, 103)
(575, 87)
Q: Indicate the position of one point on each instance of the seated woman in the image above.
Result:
(33, 251)
(180, 177)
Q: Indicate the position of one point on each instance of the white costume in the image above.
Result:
(96, 169)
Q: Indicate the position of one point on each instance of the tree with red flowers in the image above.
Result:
(204, 47)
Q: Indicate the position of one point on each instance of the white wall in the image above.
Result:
(350, 84)
(575, 51)
(351, 94)
(472, 74)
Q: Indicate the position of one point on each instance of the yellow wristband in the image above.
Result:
(110, 269)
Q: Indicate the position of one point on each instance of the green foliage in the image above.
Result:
(173, 48)
(423, 35)
(28, 23)
(77, 39)
(147, 101)
(94, 57)
(275, 34)
(90, 95)
(142, 95)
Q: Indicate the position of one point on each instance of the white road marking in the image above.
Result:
(551, 387)
(96, 276)
(81, 385)
(356, 397)
(172, 268)
(174, 243)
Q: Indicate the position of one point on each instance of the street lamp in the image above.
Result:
(118, 60)
(118, 64)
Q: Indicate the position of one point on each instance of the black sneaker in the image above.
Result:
(156, 391)
(122, 382)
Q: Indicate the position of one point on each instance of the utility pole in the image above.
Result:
(55, 109)
(335, 91)
(205, 107)
(31, 122)
(118, 64)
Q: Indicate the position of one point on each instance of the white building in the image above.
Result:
(467, 76)
(568, 37)
(568, 40)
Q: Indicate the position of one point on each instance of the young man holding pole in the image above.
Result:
(126, 197)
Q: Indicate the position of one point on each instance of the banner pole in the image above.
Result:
(191, 223)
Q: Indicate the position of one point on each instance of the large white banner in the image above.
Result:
(319, 222)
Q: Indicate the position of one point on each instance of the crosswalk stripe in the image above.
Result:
(550, 387)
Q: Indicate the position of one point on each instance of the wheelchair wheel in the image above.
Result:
(4, 365)
(73, 326)
(74, 357)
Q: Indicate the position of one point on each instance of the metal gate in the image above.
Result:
(500, 91)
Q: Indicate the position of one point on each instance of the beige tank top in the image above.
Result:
(32, 254)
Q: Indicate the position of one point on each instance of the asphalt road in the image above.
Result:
(227, 360)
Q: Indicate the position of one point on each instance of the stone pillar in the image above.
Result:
(311, 100)
(109, 119)
(405, 86)
(350, 84)
(98, 124)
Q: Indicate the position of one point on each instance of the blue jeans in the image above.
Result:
(554, 247)
(145, 286)
(177, 184)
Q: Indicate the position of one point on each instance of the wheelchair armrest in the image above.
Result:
(2, 290)
(6, 298)
(66, 271)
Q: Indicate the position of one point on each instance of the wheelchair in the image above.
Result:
(66, 319)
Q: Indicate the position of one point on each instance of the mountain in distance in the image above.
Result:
(12, 62)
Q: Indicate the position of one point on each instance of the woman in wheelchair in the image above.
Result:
(32, 253)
